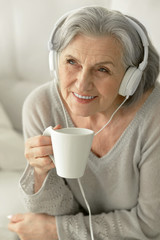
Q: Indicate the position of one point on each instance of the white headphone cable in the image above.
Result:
(126, 98)
(65, 116)
(88, 207)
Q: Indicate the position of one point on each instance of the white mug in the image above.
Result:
(71, 147)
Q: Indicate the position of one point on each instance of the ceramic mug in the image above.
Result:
(71, 147)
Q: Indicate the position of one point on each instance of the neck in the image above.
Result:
(113, 114)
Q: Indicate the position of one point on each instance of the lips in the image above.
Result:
(83, 97)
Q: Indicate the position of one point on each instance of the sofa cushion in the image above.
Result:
(10, 202)
(11, 145)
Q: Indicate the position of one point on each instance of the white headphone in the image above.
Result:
(132, 76)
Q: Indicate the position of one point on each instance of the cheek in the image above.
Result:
(63, 79)
(66, 76)
(108, 88)
(65, 83)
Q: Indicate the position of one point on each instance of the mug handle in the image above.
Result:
(47, 132)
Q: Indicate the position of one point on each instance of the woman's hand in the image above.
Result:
(37, 151)
(34, 226)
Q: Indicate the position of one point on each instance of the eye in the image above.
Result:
(103, 70)
(71, 61)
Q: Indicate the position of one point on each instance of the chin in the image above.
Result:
(82, 113)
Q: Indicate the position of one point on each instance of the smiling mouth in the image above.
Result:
(83, 97)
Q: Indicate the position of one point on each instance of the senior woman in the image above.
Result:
(95, 50)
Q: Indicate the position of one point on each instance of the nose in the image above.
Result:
(84, 80)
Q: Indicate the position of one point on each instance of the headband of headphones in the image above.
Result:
(144, 40)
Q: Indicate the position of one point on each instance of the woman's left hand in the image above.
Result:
(34, 226)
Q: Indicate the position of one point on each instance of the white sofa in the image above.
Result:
(24, 31)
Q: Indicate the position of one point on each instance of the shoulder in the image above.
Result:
(152, 104)
(39, 109)
(40, 94)
(42, 98)
(150, 114)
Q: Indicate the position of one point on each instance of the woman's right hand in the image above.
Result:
(37, 151)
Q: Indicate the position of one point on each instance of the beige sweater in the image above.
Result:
(122, 187)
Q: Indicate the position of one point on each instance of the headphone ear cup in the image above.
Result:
(130, 81)
(53, 61)
(51, 55)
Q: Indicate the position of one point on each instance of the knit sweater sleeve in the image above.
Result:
(54, 197)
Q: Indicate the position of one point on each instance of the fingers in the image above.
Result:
(16, 218)
(57, 127)
(38, 141)
(38, 150)
(33, 226)
(15, 223)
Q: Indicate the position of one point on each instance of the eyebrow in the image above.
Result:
(99, 63)
(105, 62)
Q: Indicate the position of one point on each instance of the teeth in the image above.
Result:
(83, 97)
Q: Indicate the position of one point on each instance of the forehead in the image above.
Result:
(94, 46)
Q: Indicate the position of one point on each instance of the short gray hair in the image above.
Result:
(99, 21)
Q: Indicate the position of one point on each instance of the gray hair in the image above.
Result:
(98, 21)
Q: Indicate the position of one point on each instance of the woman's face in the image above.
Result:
(90, 73)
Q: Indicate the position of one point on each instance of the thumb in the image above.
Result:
(57, 127)
(16, 217)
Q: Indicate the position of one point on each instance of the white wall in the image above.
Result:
(25, 26)
(147, 11)
(63, 6)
